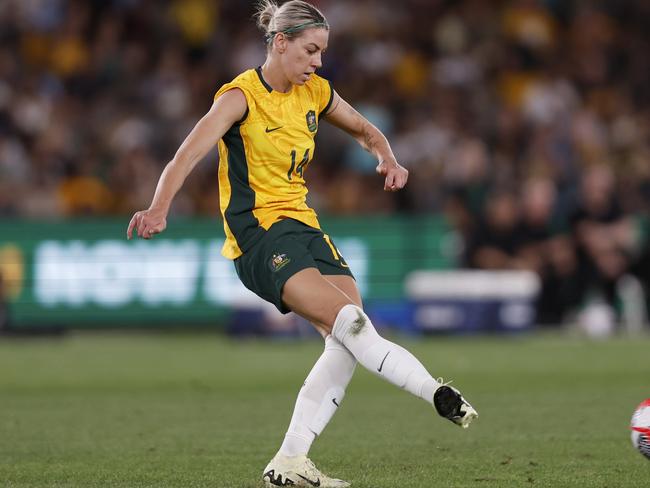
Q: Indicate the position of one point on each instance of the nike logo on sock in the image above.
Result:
(334, 402)
(312, 483)
(274, 128)
(382, 362)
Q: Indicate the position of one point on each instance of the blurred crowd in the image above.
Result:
(525, 122)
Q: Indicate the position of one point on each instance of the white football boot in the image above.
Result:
(297, 471)
(451, 405)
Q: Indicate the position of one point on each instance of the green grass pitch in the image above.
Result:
(198, 410)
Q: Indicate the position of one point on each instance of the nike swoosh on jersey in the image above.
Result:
(274, 128)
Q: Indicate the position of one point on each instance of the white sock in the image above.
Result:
(319, 397)
(386, 359)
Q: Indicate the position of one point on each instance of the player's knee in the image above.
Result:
(322, 315)
(327, 314)
(351, 320)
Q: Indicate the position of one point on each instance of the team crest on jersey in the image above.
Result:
(279, 261)
(312, 124)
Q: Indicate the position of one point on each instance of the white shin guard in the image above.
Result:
(384, 358)
(319, 397)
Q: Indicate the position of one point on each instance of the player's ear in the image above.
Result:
(280, 41)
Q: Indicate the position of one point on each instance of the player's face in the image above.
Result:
(303, 55)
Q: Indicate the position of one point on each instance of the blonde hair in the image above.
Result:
(290, 18)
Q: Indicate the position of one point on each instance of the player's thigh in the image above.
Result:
(309, 294)
(347, 285)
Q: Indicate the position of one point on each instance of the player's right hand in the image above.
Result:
(146, 224)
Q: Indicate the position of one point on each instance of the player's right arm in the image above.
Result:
(344, 116)
(226, 110)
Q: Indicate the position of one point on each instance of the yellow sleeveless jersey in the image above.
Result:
(263, 157)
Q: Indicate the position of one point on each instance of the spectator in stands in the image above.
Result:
(498, 236)
(604, 234)
(547, 248)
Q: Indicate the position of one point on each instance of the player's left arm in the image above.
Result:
(344, 116)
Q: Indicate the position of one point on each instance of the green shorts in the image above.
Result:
(287, 247)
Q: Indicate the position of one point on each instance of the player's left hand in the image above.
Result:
(147, 223)
(396, 175)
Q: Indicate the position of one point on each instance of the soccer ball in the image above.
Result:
(640, 426)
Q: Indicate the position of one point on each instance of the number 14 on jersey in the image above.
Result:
(299, 169)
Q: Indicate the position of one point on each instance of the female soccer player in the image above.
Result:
(265, 121)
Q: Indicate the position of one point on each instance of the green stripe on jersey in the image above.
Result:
(239, 213)
(329, 102)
